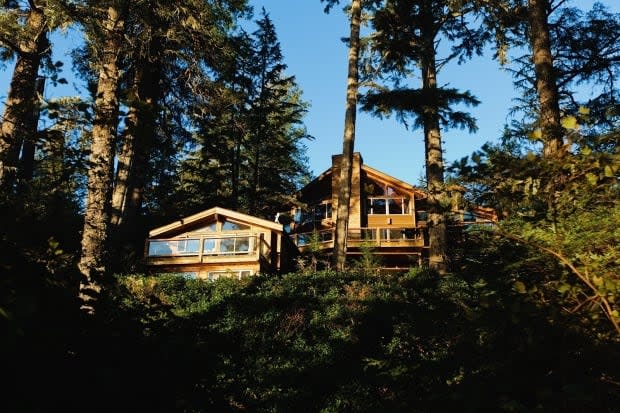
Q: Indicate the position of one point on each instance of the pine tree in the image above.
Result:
(406, 37)
(276, 111)
(567, 50)
(248, 152)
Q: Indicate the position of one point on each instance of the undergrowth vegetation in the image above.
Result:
(321, 341)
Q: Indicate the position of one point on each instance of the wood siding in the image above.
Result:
(396, 221)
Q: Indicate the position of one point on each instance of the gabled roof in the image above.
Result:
(327, 173)
(214, 212)
(372, 172)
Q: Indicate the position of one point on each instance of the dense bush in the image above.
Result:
(314, 342)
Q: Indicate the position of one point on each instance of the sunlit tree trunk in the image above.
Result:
(126, 157)
(19, 122)
(93, 258)
(546, 86)
(433, 151)
(132, 166)
(346, 167)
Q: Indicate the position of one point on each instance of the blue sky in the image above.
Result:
(312, 49)
(310, 41)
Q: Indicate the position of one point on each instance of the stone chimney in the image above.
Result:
(355, 206)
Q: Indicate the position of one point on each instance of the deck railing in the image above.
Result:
(378, 237)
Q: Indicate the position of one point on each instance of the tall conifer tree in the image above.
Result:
(406, 36)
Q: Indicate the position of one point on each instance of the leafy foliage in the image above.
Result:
(326, 342)
(566, 210)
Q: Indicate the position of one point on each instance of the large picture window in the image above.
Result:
(174, 247)
(387, 206)
(232, 245)
(228, 246)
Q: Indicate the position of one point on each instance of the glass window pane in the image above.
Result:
(159, 248)
(174, 247)
(227, 245)
(369, 234)
(190, 246)
(208, 228)
(377, 206)
(243, 244)
(234, 226)
(406, 206)
(209, 246)
(395, 206)
(421, 216)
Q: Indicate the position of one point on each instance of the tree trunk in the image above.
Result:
(348, 141)
(125, 162)
(546, 86)
(95, 234)
(26, 160)
(433, 152)
(133, 160)
(19, 122)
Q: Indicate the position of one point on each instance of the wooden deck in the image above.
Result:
(381, 237)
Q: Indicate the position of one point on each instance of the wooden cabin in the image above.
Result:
(381, 214)
(386, 214)
(219, 242)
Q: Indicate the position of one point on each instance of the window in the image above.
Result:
(391, 234)
(411, 233)
(307, 238)
(174, 247)
(209, 246)
(314, 213)
(209, 228)
(398, 234)
(228, 246)
(234, 226)
(389, 206)
(369, 234)
(376, 206)
(239, 274)
(188, 275)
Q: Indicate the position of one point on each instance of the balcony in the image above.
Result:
(376, 237)
(207, 248)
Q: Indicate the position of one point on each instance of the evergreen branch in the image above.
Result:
(11, 45)
(603, 302)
